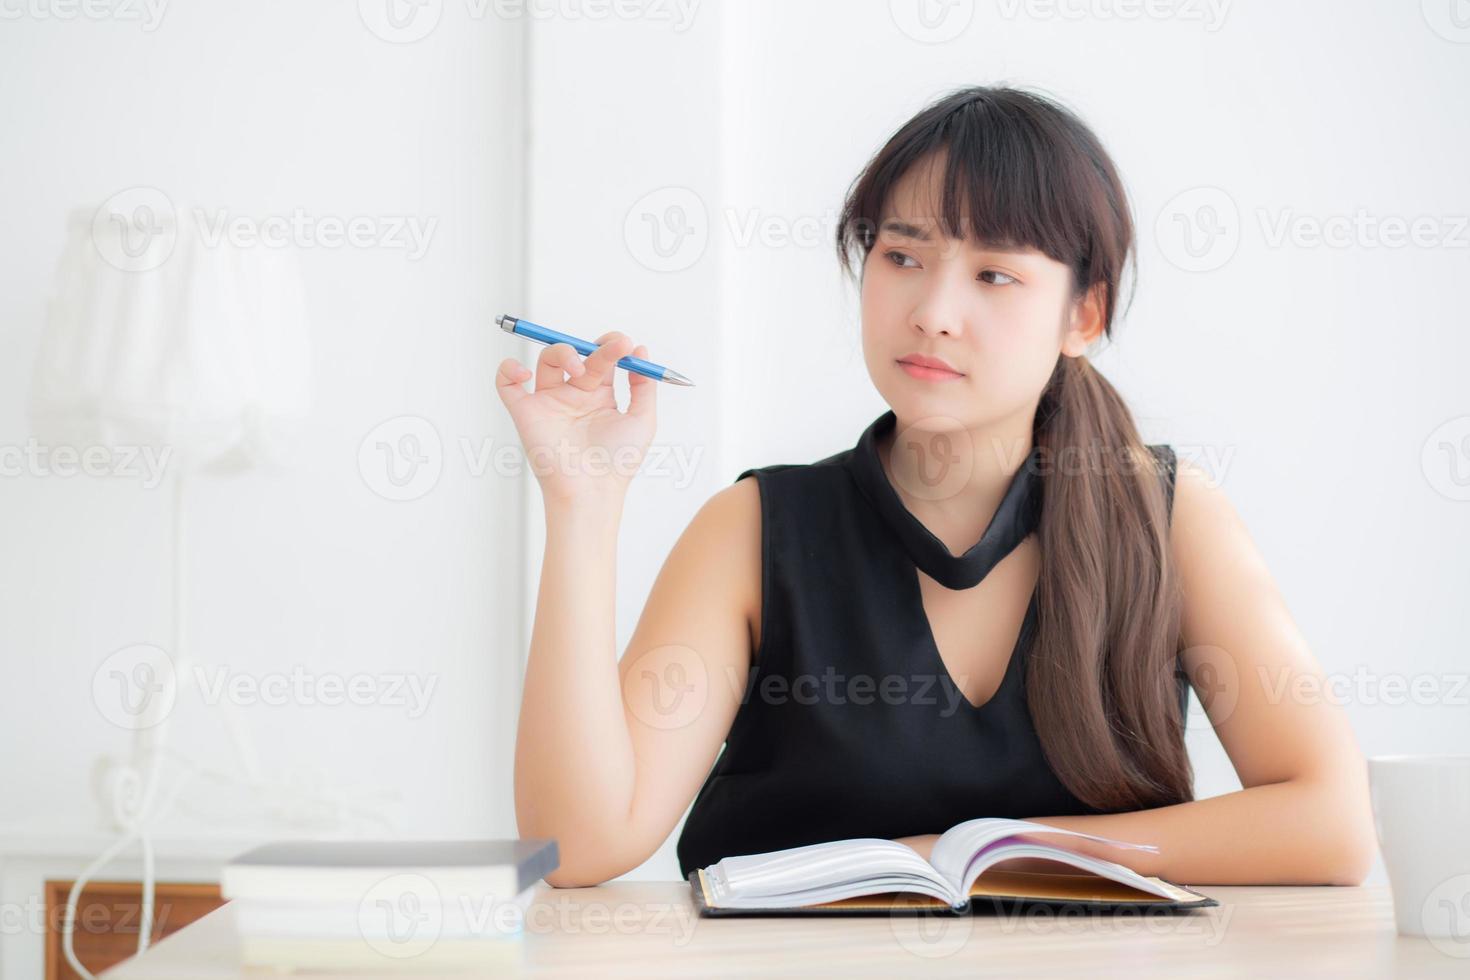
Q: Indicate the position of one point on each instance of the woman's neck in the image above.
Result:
(953, 481)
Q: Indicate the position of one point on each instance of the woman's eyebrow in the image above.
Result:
(906, 230)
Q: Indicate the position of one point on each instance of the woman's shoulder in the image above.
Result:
(1198, 506)
(1167, 461)
(797, 480)
(792, 500)
(825, 468)
(1166, 457)
(1182, 474)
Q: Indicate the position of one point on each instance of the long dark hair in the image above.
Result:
(1022, 169)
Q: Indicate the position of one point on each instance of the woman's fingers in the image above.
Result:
(601, 363)
(641, 388)
(510, 381)
(561, 364)
(555, 361)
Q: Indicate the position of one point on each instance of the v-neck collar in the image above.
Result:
(1015, 518)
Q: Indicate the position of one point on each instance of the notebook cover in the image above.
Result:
(532, 858)
(997, 890)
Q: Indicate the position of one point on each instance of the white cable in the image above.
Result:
(135, 822)
(68, 920)
(148, 741)
(145, 914)
(127, 795)
(136, 803)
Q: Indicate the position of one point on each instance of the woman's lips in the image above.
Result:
(928, 373)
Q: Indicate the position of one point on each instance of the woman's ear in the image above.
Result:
(1085, 322)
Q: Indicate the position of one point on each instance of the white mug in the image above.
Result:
(1421, 811)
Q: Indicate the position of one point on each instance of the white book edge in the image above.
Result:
(468, 917)
(337, 955)
(813, 874)
(274, 882)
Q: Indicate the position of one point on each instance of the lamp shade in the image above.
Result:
(161, 333)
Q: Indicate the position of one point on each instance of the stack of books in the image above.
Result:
(385, 905)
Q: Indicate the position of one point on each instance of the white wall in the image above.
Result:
(1316, 374)
(622, 109)
(263, 109)
(1312, 377)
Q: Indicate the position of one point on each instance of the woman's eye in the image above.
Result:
(896, 255)
(994, 272)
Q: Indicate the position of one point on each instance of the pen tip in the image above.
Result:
(674, 377)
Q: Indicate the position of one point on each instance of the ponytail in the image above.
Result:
(1101, 676)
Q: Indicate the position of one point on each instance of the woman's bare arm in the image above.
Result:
(1303, 816)
(609, 752)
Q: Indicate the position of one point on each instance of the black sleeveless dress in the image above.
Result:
(851, 726)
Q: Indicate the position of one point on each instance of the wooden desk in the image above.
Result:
(648, 929)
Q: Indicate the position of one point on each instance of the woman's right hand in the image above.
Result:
(576, 440)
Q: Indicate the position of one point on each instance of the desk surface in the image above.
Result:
(649, 929)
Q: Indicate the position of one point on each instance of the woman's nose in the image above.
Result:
(938, 314)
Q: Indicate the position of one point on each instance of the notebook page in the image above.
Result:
(906, 884)
(796, 870)
(959, 846)
(1107, 869)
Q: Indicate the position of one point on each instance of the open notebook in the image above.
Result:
(868, 875)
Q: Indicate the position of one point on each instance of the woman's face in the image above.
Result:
(999, 318)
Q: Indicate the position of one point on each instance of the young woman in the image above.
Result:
(992, 605)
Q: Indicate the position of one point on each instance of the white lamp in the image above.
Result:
(161, 336)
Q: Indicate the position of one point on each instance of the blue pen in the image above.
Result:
(547, 336)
